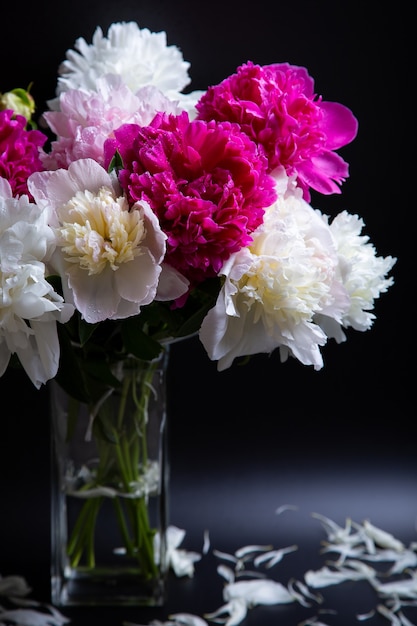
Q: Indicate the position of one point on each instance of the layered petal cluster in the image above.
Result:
(206, 182)
(364, 274)
(139, 56)
(29, 307)
(19, 150)
(277, 107)
(273, 288)
(87, 118)
(108, 256)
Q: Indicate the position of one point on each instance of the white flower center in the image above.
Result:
(97, 230)
(282, 294)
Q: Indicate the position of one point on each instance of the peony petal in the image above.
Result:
(13, 586)
(187, 619)
(258, 592)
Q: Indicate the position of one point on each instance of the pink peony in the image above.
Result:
(19, 151)
(206, 182)
(275, 106)
(87, 118)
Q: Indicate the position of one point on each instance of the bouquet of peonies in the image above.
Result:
(132, 213)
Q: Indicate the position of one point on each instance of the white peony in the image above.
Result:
(273, 289)
(109, 257)
(29, 306)
(139, 56)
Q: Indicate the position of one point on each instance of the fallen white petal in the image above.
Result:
(345, 550)
(187, 619)
(14, 586)
(364, 616)
(226, 572)
(389, 555)
(402, 588)
(273, 556)
(225, 556)
(255, 592)
(388, 614)
(174, 536)
(304, 590)
(206, 543)
(335, 532)
(286, 507)
(326, 576)
(245, 550)
(236, 609)
(406, 560)
(182, 562)
(29, 617)
(382, 538)
(297, 595)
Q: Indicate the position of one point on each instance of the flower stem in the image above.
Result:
(123, 467)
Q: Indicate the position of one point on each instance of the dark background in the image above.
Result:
(340, 442)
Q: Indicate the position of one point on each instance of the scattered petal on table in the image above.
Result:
(255, 592)
(14, 586)
(404, 588)
(29, 617)
(236, 609)
(247, 550)
(286, 507)
(272, 557)
(382, 538)
(187, 619)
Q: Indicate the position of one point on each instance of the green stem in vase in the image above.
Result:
(82, 536)
(123, 527)
(122, 467)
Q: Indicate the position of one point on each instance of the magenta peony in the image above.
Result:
(19, 151)
(206, 182)
(275, 105)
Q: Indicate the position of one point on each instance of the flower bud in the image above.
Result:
(18, 100)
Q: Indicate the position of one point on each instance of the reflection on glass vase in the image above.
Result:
(109, 491)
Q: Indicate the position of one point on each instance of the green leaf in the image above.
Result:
(99, 371)
(116, 162)
(137, 342)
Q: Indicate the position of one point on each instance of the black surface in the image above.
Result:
(340, 442)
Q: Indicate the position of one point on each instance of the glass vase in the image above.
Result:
(109, 491)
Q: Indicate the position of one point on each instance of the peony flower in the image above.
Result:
(109, 257)
(277, 107)
(364, 275)
(19, 150)
(139, 56)
(29, 307)
(205, 181)
(87, 118)
(273, 288)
